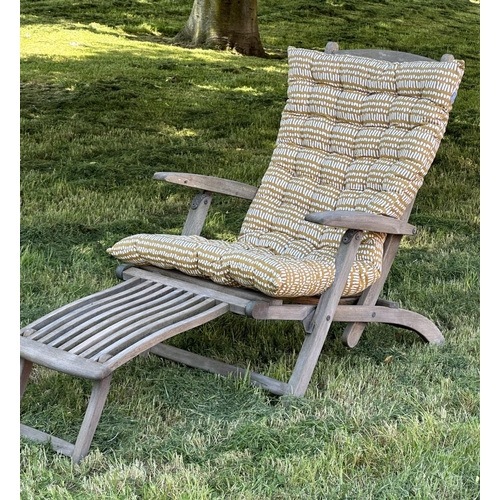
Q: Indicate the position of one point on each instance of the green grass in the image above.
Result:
(106, 101)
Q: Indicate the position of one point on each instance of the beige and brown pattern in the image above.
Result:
(356, 134)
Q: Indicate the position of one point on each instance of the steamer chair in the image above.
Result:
(358, 133)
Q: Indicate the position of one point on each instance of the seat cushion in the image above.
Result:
(356, 134)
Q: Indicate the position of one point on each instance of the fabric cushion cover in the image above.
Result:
(356, 134)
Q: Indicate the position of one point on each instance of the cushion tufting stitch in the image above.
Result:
(356, 134)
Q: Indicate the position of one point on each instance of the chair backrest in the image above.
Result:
(356, 134)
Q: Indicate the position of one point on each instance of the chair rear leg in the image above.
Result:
(353, 331)
(97, 400)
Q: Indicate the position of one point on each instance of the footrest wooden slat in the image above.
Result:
(61, 361)
(90, 338)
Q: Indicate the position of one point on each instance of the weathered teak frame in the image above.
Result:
(93, 336)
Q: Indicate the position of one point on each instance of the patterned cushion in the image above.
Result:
(356, 134)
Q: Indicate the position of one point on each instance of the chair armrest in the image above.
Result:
(207, 183)
(362, 221)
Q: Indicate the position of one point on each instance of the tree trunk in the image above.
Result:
(223, 24)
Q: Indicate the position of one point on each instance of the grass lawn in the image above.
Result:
(106, 101)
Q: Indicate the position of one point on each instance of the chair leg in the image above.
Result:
(308, 358)
(93, 413)
(322, 320)
(353, 331)
(97, 400)
(26, 367)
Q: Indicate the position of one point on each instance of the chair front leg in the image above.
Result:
(26, 367)
(318, 329)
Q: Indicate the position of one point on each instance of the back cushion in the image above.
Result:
(356, 134)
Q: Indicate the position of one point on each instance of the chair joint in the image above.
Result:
(350, 234)
(121, 269)
(199, 199)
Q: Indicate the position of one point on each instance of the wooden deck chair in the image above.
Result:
(358, 133)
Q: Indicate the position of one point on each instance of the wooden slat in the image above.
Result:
(159, 321)
(80, 327)
(115, 332)
(206, 284)
(237, 302)
(77, 304)
(159, 336)
(122, 315)
(61, 361)
(76, 310)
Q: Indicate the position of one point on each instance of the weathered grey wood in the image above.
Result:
(362, 221)
(95, 406)
(203, 284)
(197, 214)
(447, 58)
(237, 303)
(294, 312)
(61, 361)
(59, 445)
(353, 331)
(331, 47)
(123, 335)
(323, 316)
(119, 327)
(382, 55)
(403, 318)
(108, 327)
(94, 352)
(62, 333)
(88, 301)
(213, 366)
(207, 183)
(26, 367)
(179, 327)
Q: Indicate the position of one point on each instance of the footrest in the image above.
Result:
(93, 336)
